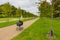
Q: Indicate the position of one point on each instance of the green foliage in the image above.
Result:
(45, 9)
(56, 8)
(7, 10)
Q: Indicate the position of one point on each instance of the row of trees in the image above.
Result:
(7, 10)
(45, 8)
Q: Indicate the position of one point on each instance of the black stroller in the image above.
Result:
(19, 24)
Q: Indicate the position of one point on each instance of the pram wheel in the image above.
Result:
(19, 28)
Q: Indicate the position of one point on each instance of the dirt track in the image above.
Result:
(9, 32)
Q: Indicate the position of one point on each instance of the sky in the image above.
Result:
(28, 5)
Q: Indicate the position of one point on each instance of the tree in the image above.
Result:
(56, 4)
(45, 9)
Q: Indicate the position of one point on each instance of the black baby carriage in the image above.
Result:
(19, 25)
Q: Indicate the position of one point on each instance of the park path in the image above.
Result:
(9, 32)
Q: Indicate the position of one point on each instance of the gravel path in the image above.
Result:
(9, 32)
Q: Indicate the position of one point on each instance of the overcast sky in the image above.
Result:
(28, 5)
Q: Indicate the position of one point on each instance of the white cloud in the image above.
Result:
(3, 1)
(28, 5)
(48, 0)
(32, 9)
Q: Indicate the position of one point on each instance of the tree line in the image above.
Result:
(7, 10)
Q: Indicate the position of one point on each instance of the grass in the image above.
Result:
(5, 24)
(4, 19)
(39, 29)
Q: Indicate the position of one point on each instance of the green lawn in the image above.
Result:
(39, 29)
(4, 19)
(4, 24)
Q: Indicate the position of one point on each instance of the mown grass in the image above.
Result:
(39, 30)
(4, 19)
(5, 24)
